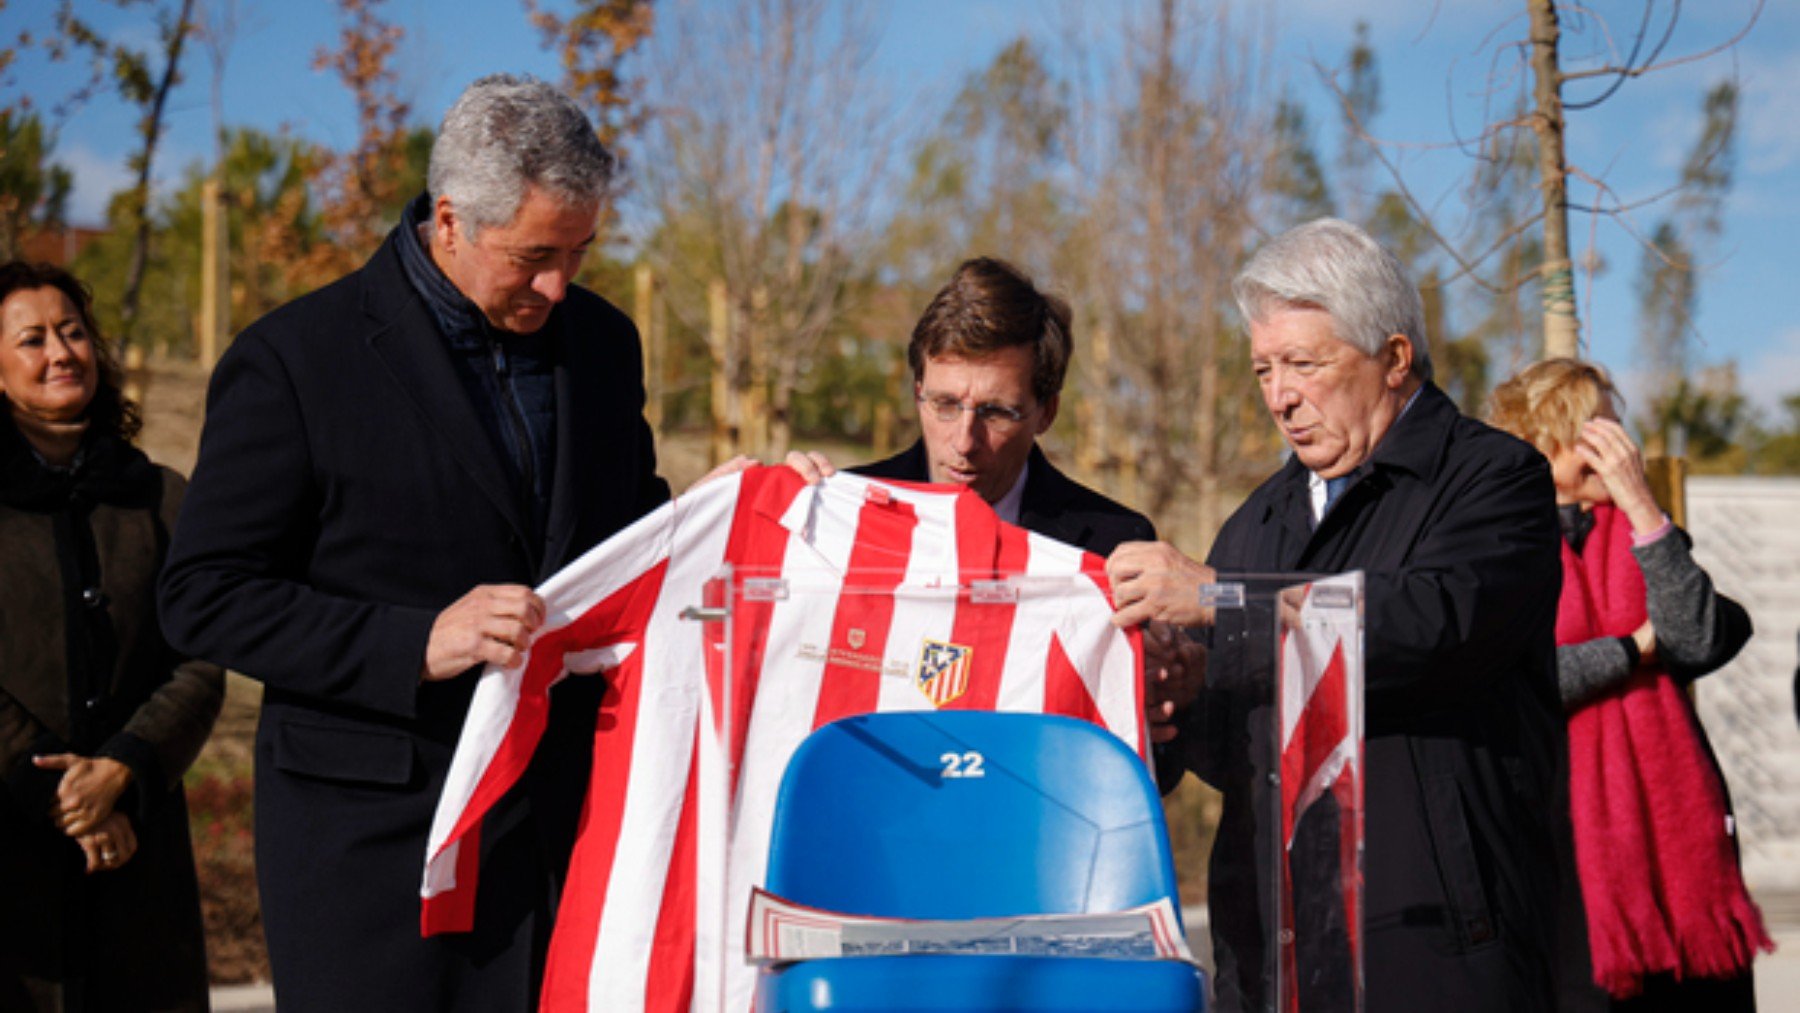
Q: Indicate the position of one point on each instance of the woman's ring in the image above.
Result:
(107, 856)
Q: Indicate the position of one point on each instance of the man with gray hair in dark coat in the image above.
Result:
(1454, 526)
(388, 466)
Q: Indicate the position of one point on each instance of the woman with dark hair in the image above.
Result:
(1668, 922)
(99, 719)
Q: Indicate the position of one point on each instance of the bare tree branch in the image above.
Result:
(1651, 68)
(151, 128)
(1645, 55)
(765, 159)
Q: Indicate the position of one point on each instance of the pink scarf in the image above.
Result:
(1659, 873)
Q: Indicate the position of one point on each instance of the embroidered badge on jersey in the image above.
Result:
(943, 671)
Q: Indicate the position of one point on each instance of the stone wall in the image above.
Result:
(1747, 535)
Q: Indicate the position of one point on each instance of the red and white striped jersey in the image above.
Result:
(855, 596)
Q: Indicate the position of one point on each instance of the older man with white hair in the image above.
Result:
(1454, 527)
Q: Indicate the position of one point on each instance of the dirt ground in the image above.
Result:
(172, 397)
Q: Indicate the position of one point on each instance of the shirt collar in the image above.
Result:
(1315, 484)
(1315, 493)
(1008, 505)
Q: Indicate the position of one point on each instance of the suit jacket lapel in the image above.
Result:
(407, 341)
(1292, 507)
(1408, 458)
(1043, 507)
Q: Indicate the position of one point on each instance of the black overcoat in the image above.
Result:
(1053, 504)
(1454, 525)
(346, 492)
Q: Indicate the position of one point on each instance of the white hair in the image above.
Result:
(1332, 265)
(506, 134)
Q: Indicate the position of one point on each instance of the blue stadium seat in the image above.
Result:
(964, 814)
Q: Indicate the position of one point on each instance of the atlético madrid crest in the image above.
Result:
(943, 671)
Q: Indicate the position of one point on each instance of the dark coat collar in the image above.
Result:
(1413, 448)
(408, 341)
(108, 470)
(1414, 444)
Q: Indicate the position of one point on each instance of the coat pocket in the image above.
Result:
(1471, 919)
(337, 753)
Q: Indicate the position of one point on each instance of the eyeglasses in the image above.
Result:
(997, 417)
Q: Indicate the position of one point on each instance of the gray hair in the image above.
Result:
(505, 134)
(1332, 265)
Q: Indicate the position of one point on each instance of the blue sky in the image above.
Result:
(1434, 61)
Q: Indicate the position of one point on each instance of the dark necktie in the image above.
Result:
(1334, 487)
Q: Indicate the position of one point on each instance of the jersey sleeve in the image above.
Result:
(598, 608)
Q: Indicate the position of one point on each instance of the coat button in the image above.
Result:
(93, 597)
(93, 703)
(1480, 930)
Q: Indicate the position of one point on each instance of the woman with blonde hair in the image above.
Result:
(1669, 924)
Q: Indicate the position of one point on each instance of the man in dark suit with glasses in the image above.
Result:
(988, 359)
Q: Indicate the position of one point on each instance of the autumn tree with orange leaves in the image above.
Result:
(592, 44)
(361, 191)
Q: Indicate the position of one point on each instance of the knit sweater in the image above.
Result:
(1697, 629)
